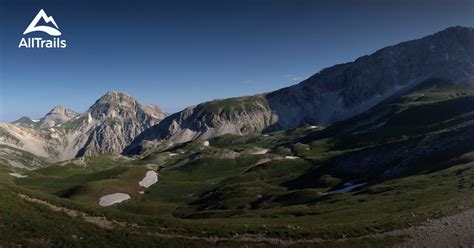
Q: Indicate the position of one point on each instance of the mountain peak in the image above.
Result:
(118, 118)
(61, 111)
(112, 93)
(25, 121)
(121, 105)
(57, 109)
(334, 94)
(120, 98)
(457, 29)
(56, 116)
(456, 33)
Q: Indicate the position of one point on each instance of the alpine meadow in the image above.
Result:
(376, 152)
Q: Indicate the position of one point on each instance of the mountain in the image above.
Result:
(57, 116)
(26, 121)
(406, 160)
(116, 118)
(334, 94)
(397, 174)
(107, 127)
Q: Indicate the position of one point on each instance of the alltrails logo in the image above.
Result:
(38, 42)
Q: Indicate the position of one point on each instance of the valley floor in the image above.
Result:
(452, 230)
(400, 175)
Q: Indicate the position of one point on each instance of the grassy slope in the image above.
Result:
(214, 195)
(19, 157)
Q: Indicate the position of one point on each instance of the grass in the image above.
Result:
(72, 124)
(38, 226)
(179, 190)
(24, 158)
(238, 104)
(206, 192)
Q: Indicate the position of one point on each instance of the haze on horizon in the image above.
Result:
(183, 53)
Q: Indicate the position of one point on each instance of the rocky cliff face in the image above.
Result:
(241, 115)
(118, 119)
(57, 116)
(332, 95)
(343, 91)
(107, 127)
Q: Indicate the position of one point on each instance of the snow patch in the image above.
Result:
(291, 157)
(35, 120)
(150, 178)
(260, 151)
(206, 143)
(348, 187)
(112, 199)
(17, 175)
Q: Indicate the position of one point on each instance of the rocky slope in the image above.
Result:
(107, 127)
(332, 95)
(57, 116)
(117, 119)
(26, 121)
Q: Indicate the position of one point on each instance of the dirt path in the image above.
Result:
(98, 221)
(109, 224)
(452, 231)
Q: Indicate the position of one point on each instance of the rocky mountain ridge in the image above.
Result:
(334, 94)
(107, 127)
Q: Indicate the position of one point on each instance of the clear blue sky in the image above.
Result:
(180, 53)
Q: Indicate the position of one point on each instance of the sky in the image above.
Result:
(180, 53)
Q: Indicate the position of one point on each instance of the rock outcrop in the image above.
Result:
(334, 94)
(107, 127)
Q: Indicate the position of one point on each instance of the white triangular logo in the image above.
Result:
(49, 30)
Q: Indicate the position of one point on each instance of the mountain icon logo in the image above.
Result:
(47, 29)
